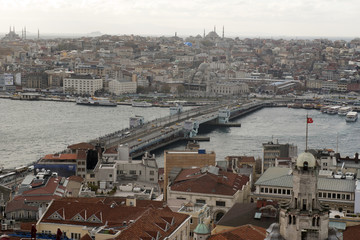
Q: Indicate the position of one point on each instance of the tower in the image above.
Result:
(38, 34)
(304, 217)
(204, 33)
(223, 34)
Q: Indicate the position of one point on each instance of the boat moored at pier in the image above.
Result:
(351, 116)
(92, 101)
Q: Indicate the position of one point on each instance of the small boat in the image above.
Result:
(344, 110)
(141, 104)
(92, 101)
(351, 116)
(333, 110)
(324, 109)
(308, 105)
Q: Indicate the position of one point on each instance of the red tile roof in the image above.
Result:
(352, 233)
(76, 179)
(65, 156)
(245, 232)
(151, 224)
(82, 145)
(226, 183)
(112, 150)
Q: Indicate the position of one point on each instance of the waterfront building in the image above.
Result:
(87, 69)
(220, 190)
(118, 87)
(273, 150)
(82, 84)
(175, 160)
(113, 218)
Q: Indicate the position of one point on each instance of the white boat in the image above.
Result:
(141, 104)
(324, 109)
(333, 110)
(97, 102)
(344, 110)
(351, 116)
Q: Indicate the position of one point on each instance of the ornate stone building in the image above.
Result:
(304, 217)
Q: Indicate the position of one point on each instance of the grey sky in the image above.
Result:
(186, 17)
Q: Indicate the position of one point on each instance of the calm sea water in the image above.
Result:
(30, 130)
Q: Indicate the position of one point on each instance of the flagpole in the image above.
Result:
(306, 142)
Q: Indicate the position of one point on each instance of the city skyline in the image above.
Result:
(160, 17)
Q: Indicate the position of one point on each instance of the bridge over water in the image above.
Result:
(163, 131)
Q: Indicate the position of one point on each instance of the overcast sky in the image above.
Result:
(324, 18)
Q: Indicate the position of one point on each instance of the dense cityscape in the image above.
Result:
(112, 187)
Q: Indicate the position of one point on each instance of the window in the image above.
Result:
(284, 191)
(152, 172)
(275, 190)
(133, 172)
(288, 192)
(266, 190)
(320, 194)
(120, 171)
(151, 179)
(262, 189)
(139, 172)
(200, 201)
(110, 175)
(334, 195)
(92, 175)
(220, 203)
(270, 190)
(338, 196)
(347, 196)
(329, 195)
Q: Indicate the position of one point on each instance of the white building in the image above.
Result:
(82, 84)
(116, 87)
(229, 88)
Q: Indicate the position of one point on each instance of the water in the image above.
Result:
(30, 130)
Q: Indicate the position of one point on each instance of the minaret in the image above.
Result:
(223, 32)
(304, 217)
(38, 34)
(25, 32)
(214, 29)
(204, 33)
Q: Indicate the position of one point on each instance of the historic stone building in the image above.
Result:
(304, 217)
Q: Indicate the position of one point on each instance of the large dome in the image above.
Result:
(306, 158)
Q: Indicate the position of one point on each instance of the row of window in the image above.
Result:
(321, 194)
(275, 191)
(335, 195)
(133, 172)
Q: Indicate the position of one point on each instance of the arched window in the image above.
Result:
(289, 219)
(313, 221)
(294, 220)
(318, 221)
(306, 165)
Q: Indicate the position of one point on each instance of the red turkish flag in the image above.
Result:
(309, 120)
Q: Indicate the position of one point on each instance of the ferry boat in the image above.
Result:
(344, 110)
(141, 104)
(324, 109)
(351, 116)
(333, 110)
(92, 101)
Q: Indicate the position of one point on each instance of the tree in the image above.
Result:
(165, 88)
(180, 89)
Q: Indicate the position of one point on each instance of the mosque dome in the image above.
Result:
(306, 159)
(203, 67)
